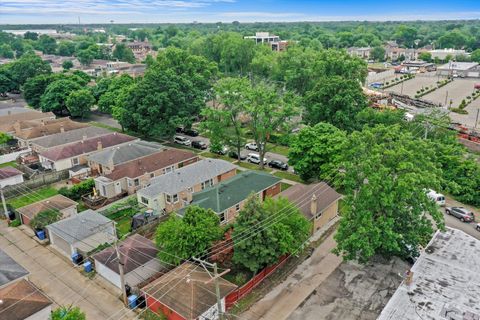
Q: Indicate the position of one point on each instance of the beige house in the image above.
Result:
(174, 190)
(131, 176)
(323, 204)
(8, 120)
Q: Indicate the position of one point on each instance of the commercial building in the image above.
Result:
(442, 284)
(459, 69)
(443, 54)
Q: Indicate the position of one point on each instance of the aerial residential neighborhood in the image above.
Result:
(232, 160)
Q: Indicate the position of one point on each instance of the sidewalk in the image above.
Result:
(279, 303)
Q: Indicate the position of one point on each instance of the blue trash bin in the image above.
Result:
(41, 234)
(132, 301)
(87, 266)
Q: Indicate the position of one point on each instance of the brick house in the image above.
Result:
(131, 176)
(228, 197)
(323, 204)
(172, 191)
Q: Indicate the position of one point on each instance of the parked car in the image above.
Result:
(199, 145)
(223, 151)
(437, 197)
(191, 132)
(234, 155)
(182, 140)
(477, 227)
(461, 213)
(255, 158)
(277, 164)
(179, 129)
(251, 146)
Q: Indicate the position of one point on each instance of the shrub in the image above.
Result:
(44, 218)
(459, 111)
(78, 190)
(15, 223)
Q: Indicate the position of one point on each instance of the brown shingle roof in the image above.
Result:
(7, 172)
(86, 146)
(7, 121)
(58, 202)
(190, 296)
(20, 300)
(135, 251)
(48, 129)
(153, 162)
(301, 195)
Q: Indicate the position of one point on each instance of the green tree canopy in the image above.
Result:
(56, 94)
(68, 313)
(44, 218)
(28, 66)
(377, 53)
(386, 211)
(67, 64)
(182, 238)
(79, 103)
(123, 53)
(47, 44)
(314, 151)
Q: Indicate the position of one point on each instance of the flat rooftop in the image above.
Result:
(446, 282)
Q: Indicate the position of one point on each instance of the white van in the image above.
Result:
(437, 197)
(255, 158)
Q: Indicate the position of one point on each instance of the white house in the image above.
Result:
(10, 176)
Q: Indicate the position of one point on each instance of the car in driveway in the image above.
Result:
(182, 140)
(251, 146)
(234, 155)
(223, 151)
(199, 145)
(277, 164)
(255, 158)
(191, 132)
(461, 213)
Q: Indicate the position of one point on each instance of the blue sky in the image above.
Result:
(152, 11)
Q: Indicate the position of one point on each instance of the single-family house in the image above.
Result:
(228, 197)
(68, 156)
(131, 176)
(63, 138)
(24, 136)
(10, 176)
(7, 121)
(138, 255)
(10, 270)
(81, 233)
(318, 202)
(23, 301)
(191, 298)
(104, 161)
(67, 207)
(180, 184)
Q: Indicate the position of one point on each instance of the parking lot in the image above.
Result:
(410, 87)
(454, 92)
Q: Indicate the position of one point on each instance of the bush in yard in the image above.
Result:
(44, 218)
(78, 190)
(68, 313)
(14, 223)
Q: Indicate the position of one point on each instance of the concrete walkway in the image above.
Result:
(58, 279)
(279, 303)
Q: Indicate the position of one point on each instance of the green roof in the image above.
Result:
(232, 191)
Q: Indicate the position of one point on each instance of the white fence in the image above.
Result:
(379, 77)
(13, 156)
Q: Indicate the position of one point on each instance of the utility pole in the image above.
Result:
(446, 98)
(120, 267)
(5, 210)
(476, 122)
(215, 278)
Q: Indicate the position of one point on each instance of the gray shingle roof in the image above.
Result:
(10, 270)
(186, 177)
(62, 138)
(80, 226)
(125, 153)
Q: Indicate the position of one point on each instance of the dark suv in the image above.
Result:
(461, 213)
(199, 145)
(191, 132)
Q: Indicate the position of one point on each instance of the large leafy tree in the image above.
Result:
(79, 103)
(336, 100)
(110, 96)
(386, 212)
(314, 151)
(47, 44)
(264, 232)
(123, 53)
(172, 91)
(34, 88)
(28, 66)
(223, 118)
(56, 94)
(68, 313)
(182, 238)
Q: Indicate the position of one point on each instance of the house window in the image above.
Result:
(169, 198)
(222, 217)
(75, 161)
(136, 182)
(172, 198)
(190, 190)
(144, 200)
(168, 169)
(237, 207)
(207, 184)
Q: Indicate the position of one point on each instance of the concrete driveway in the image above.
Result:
(58, 279)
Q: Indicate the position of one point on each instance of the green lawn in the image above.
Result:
(277, 149)
(252, 166)
(104, 126)
(288, 176)
(284, 186)
(9, 164)
(30, 198)
(123, 218)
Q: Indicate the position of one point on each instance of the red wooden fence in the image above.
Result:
(241, 292)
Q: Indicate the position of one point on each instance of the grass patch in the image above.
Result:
(9, 164)
(33, 197)
(275, 148)
(288, 176)
(284, 186)
(123, 218)
(252, 166)
(208, 154)
(104, 126)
